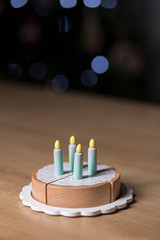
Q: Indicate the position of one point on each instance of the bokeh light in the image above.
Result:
(100, 64)
(18, 3)
(30, 31)
(43, 12)
(44, 8)
(64, 24)
(109, 3)
(127, 57)
(14, 71)
(38, 70)
(68, 3)
(2, 7)
(92, 3)
(60, 83)
(89, 78)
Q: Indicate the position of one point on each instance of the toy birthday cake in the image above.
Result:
(75, 184)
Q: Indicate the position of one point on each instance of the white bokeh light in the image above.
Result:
(68, 3)
(38, 70)
(92, 3)
(60, 83)
(100, 64)
(89, 78)
(109, 3)
(18, 3)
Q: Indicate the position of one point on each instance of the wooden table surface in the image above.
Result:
(127, 135)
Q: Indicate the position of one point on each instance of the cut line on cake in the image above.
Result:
(104, 173)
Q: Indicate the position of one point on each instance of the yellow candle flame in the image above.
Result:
(92, 143)
(72, 140)
(57, 144)
(79, 148)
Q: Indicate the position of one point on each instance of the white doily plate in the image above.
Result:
(126, 197)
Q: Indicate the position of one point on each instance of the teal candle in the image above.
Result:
(78, 163)
(92, 161)
(72, 150)
(58, 159)
(92, 158)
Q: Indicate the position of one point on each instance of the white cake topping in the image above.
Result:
(104, 173)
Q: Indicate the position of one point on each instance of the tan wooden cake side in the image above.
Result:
(115, 186)
(78, 197)
(75, 196)
(39, 189)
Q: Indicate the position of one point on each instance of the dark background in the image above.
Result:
(45, 44)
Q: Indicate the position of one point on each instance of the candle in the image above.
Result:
(92, 158)
(58, 159)
(72, 150)
(78, 163)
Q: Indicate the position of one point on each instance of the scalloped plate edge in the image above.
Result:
(125, 198)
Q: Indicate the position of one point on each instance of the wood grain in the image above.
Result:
(39, 189)
(115, 186)
(127, 135)
(75, 196)
(78, 197)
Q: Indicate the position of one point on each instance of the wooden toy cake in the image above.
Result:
(75, 184)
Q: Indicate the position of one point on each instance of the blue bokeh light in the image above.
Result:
(100, 64)
(18, 3)
(42, 12)
(68, 3)
(38, 70)
(64, 24)
(89, 78)
(43, 7)
(109, 3)
(14, 71)
(60, 83)
(92, 3)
